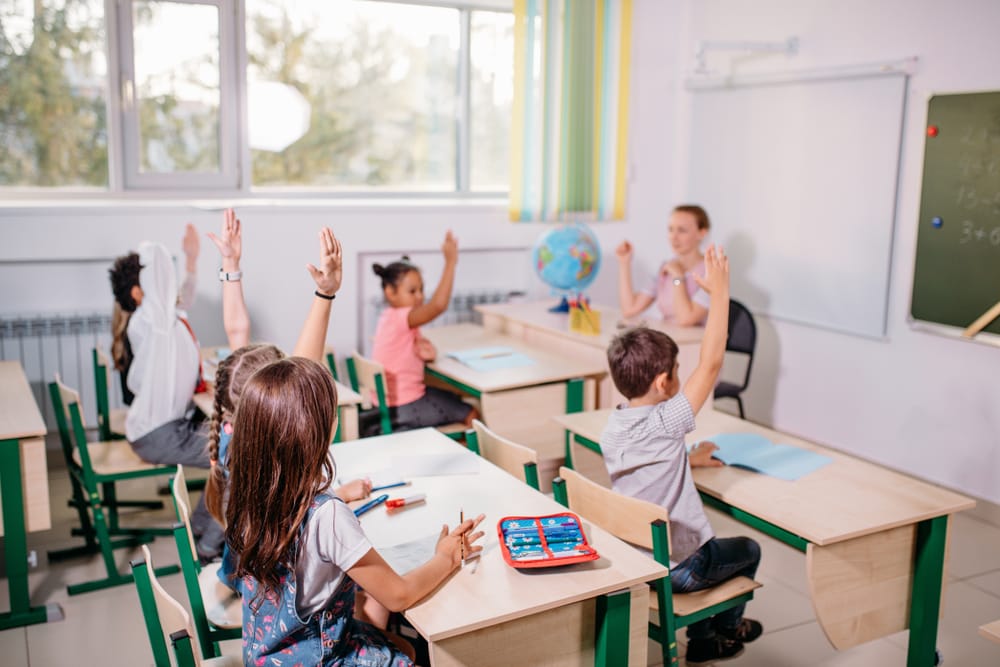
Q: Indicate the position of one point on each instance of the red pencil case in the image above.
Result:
(544, 541)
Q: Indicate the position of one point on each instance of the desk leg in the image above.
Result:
(925, 602)
(16, 544)
(611, 641)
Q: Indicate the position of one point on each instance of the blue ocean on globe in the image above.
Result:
(567, 258)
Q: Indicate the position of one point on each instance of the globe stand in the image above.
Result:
(561, 307)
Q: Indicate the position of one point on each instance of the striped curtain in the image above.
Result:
(570, 125)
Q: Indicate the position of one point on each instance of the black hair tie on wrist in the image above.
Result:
(329, 297)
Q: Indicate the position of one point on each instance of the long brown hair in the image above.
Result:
(230, 378)
(279, 461)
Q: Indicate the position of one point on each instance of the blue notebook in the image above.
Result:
(485, 359)
(757, 453)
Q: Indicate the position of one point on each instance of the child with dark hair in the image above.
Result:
(301, 551)
(643, 449)
(402, 350)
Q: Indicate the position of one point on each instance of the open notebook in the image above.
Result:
(757, 453)
(485, 359)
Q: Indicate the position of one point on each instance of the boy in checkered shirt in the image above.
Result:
(643, 448)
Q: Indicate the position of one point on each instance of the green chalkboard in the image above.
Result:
(957, 274)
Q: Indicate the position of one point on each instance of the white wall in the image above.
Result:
(921, 403)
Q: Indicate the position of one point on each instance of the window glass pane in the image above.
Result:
(491, 88)
(177, 86)
(53, 81)
(348, 94)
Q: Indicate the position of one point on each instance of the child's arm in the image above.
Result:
(713, 345)
(700, 455)
(426, 312)
(687, 313)
(235, 318)
(191, 247)
(631, 302)
(327, 277)
(356, 489)
(398, 593)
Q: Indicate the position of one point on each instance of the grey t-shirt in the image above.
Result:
(645, 456)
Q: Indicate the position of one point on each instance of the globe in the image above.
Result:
(567, 258)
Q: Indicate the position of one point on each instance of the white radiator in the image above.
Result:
(46, 344)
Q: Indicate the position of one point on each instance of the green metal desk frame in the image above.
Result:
(928, 566)
(16, 544)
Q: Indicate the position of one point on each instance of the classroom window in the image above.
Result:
(53, 82)
(256, 95)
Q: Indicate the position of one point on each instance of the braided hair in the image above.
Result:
(230, 377)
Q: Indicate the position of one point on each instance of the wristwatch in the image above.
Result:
(678, 282)
(230, 277)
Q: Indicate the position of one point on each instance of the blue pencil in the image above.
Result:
(389, 486)
(370, 504)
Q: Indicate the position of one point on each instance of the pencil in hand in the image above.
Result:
(461, 545)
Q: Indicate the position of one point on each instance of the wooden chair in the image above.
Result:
(331, 362)
(368, 379)
(512, 458)
(94, 468)
(166, 617)
(110, 423)
(742, 340)
(646, 525)
(216, 608)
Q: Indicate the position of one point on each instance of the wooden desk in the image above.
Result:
(991, 631)
(24, 491)
(874, 539)
(535, 325)
(519, 402)
(489, 614)
(348, 400)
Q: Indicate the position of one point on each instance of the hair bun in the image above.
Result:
(406, 258)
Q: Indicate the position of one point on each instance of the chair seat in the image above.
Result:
(686, 604)
(223, 606)
(727, 390)
(116, 420)
(457, 427)
(115, 457)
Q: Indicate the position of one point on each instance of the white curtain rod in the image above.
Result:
(905, 66)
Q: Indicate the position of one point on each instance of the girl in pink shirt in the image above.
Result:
(402, 350)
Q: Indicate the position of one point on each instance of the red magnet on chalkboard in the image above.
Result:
(932, 131)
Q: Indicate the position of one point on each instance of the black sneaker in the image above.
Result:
(747, 631)
(715, 649)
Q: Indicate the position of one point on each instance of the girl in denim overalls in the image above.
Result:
(300, 552)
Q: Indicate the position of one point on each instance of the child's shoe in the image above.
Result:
(714, 649)
(747, 631)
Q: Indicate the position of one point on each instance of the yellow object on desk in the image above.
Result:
(583, 320)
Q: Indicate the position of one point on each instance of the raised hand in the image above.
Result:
(624, 251)
(191, 246)
(331, 264)
(450, 248)
(716, 271)
(230, 239)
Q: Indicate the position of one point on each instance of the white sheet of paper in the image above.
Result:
(432, 465)
(406, 556)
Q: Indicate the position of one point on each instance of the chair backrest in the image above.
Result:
(163, 614)
(626, 518)
(331, 361)
(742, 334)
(182, 507)
(72, 429)
(514, 459)
(369, 377)
(101, 366)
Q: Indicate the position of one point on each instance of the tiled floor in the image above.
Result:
(105, 627)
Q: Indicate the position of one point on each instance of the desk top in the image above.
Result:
(845, 499)
(536, 315)
(19, 415)
(488, 592)
(548, 367)
(991, 631)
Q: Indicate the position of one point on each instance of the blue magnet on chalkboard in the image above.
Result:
(937, 222)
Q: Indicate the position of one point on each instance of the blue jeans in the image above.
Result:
(716, 561)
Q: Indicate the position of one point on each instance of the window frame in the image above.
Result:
(234, 178)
